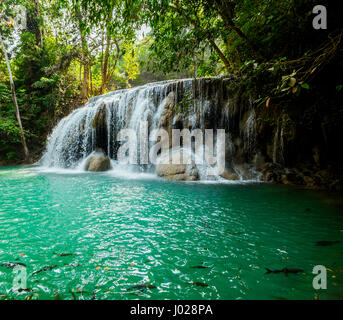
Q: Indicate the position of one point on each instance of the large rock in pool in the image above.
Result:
(175, 168)
(98, 162)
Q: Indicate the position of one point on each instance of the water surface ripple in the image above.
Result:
(174, 236)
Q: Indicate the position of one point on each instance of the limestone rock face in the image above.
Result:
(167, 115)
(176, 167)
(98, 162)
(99, 123)
(229, 175)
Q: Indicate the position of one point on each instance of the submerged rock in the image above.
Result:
(98, 162)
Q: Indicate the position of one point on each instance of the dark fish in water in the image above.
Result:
(206, 225)
(29, 297)
(93, 297)
(326, 243)
(12, 264)
(81, 292)
(57, 296)
(142, 287)
(285, 270)
(45, 269)
(64, 254)
(199, 284)
(199, 267)
(73, 296)
(25, 290)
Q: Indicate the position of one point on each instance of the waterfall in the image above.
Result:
(173, 104)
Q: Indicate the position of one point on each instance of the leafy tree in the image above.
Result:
(5, 15)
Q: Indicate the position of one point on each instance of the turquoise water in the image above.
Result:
(124, 231)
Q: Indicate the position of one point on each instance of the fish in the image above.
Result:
(199, 267)
(93, 297)
(285, 270)
(57, 296)
(45, 269)
(64, 254)
(81, 292)
(142, 287)
(25, 290)
(199, 284)
(73, 296)
(206, 225)
(326, 243)
(12, 265)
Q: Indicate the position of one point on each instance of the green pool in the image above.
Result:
(119, 236)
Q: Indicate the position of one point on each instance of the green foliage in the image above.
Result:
(131, 66)
(9, 130)
(269, 44)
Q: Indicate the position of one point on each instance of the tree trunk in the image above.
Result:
(209, 36)
(85, 82)
(220, 54)
(14, 98)
(91, 80)
(113, 68)
(226, 11)
(104, 69)
(32, 24)
(195, 69)
(85, 61)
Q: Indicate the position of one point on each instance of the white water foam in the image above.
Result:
(76, 136)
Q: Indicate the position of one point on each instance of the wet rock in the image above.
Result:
(99, 123)
(292, 177)
(316, 156)
(100, 117)
(98, 162)
(337, 185)
(271, 172)
(177, 122)
(175, 168)
(244, 171)
(259, 161)
(309, 182)
(304, 177)
(171, 169)
(181, 177)
(167, 114)
(229, 175)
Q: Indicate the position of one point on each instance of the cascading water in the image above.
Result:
(173, 104)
